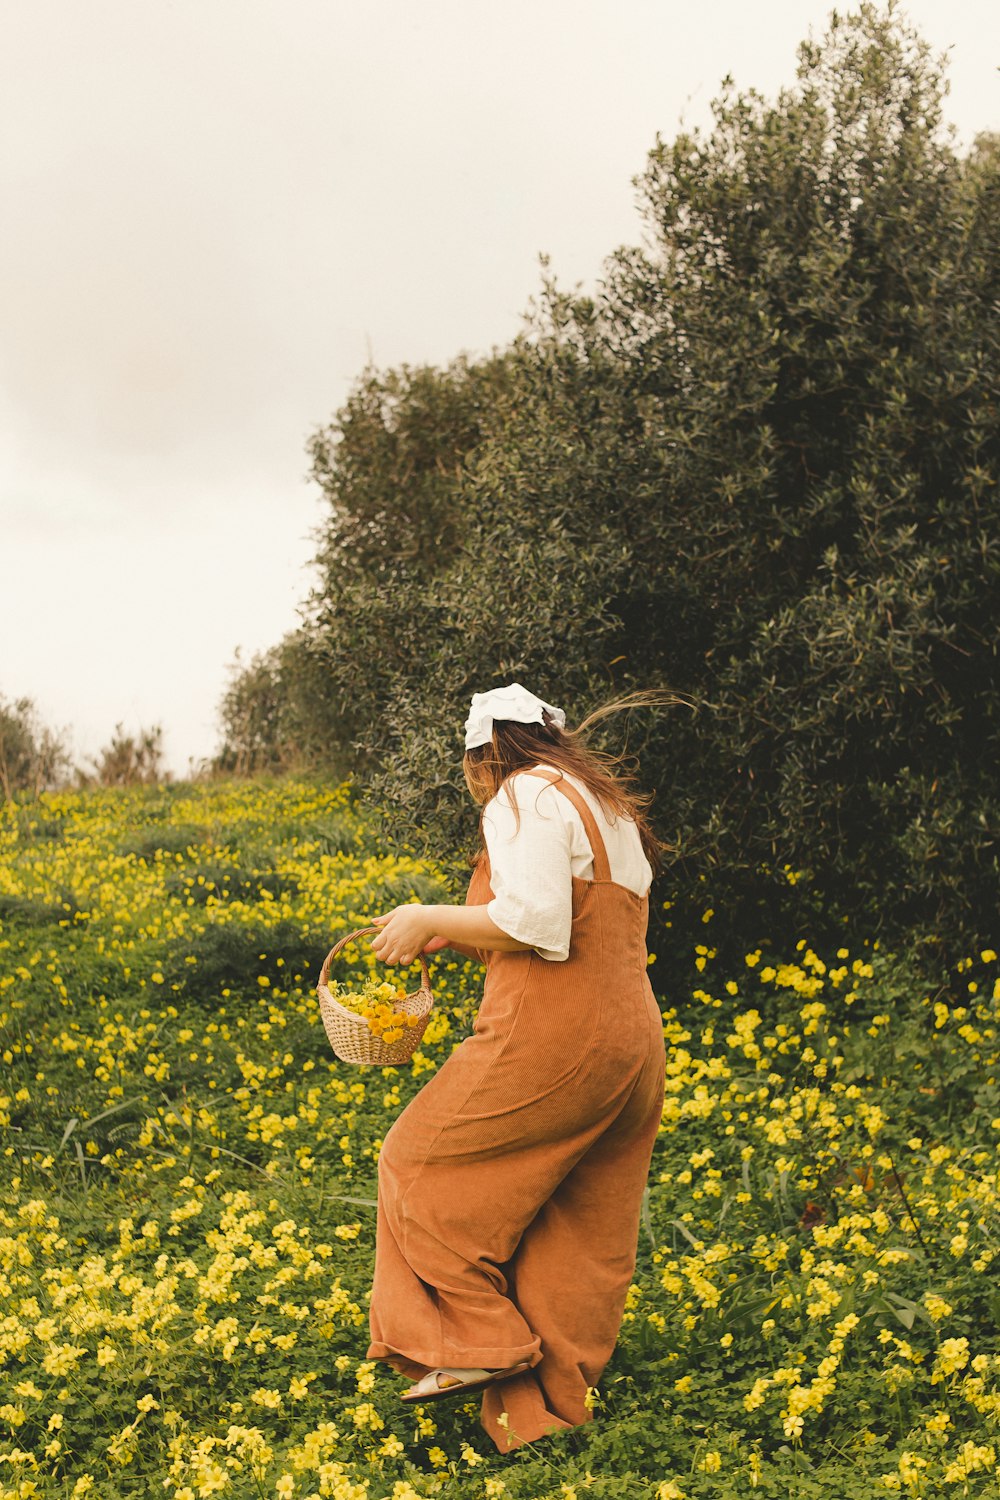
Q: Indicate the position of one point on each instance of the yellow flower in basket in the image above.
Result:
(374, 1001)
(372, 1020)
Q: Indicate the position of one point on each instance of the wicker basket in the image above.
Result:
(348, 1032)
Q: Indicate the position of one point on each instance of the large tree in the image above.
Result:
(759, 466)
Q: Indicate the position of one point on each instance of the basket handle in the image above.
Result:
(324, 972)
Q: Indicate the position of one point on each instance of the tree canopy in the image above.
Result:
(758, 466)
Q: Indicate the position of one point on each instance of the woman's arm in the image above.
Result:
(466, 949)
(408, 929)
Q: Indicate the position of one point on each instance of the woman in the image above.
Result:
(510, 1186)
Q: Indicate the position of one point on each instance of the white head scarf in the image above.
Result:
(511, 702)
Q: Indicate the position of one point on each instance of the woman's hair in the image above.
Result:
(517, 747)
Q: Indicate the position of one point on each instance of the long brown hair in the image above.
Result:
(517, 747)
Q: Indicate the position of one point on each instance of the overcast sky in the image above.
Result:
(215, 211)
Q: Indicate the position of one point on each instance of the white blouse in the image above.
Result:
(531, 868)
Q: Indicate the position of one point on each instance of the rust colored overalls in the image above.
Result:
(510, 1187)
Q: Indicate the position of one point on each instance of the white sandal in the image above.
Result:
(429, 1388)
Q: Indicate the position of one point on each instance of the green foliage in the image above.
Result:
(235, 954)
(32, 756)
(266, 717)
(190, 1197)
(128, 759)
(759, 466)
(28, 911)
(177, 838)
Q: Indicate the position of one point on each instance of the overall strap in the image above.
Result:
(602, 869)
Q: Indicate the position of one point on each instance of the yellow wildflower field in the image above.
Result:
(188, 1205)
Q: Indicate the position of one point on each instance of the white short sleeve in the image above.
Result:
(531, 866)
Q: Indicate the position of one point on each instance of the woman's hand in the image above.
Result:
(415, 928)
(435, 945)
(405, 932)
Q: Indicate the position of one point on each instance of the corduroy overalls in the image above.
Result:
(510, 1187)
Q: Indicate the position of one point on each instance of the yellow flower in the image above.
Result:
(755, 1397)
(970, 1457)
(268, 1398)
(938, 1424)
(953, 1355)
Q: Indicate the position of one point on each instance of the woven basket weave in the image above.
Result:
(348, 1032)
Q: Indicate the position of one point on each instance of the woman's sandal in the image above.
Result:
(428, 1388)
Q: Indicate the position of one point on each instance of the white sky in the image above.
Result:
(214, 211)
